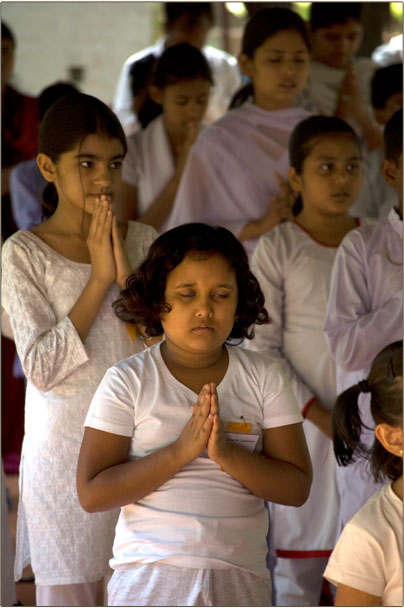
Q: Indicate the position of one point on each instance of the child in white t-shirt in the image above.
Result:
(191, 439)
(367, 562)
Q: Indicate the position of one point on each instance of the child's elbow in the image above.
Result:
(302, 489)
(86, 498)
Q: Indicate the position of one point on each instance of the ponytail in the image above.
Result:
(347, 427)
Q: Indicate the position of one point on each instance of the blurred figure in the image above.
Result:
(184, 22)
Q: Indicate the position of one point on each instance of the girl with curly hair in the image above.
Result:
(193, 436)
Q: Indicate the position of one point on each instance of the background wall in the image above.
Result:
(56, 38)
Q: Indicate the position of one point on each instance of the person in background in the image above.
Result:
(140, 75)
(231, 177)
(157, 155)
(293, 263)
(26, 181)
(19, 128)
(377, 197)
(184, 22)
(367, 562)
(365, 309)
(339, 82)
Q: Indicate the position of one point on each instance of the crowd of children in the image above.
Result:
(209, 322)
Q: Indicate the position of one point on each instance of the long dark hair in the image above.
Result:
(263, 24)
(385, 385)
(306, 135)
(143, 300)
(67, 123)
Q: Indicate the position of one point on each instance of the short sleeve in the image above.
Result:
(112, 408)
(280, 405)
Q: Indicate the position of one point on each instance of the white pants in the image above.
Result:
(167, 585)
(80, 594)
(298, 582)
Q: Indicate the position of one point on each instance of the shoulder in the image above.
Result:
(282, 239)
(134, 367)
(382, 508)
(365, 235)
(21, 241)
(149, 50)
(141, 234)
(256, 363)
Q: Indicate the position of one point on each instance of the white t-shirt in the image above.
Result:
(202, 517)
(369, 552)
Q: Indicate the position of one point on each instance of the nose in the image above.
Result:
(103, 176)
(341, 177)
(204, 308)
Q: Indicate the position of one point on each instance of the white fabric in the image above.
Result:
(390, 52)
(376, 197)
(63, 543)
(294, 273)
(230, 177)
(324, 84)
(149, 163)
(225, 73)
(202, 517)
(168, 585)
(364, 314)
(298, 582)
(369, 552)
(81, 594)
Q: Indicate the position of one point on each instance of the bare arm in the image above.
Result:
(283, 474)
(348, 596)
(105, 478)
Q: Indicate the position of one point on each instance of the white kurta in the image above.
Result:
(149, 163)
(369, 553)
(294, 273)
(364, 314)
(201, 517)
(225, 73)
(230, 177)
(63, 543)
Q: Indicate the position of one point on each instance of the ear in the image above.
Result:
(244, 63)
(389, 171)
(391, 438)
(294, 180)
(156, 94)
(47, 167)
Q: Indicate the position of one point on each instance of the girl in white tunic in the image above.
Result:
(231, 173)
(59, 281)
(157, 155)
(293, 264)
(192, 436)
(367, 562)
(365, 309)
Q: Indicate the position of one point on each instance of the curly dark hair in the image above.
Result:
(143, 301)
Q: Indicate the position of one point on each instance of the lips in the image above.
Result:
(202, 329)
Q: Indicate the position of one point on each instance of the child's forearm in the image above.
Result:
(128, 482)
(273, 480)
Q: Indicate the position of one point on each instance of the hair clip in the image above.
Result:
(364, 386)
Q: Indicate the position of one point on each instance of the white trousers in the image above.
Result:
(298, 582)
(167, 585)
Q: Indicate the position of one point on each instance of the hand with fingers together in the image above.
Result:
(217, 445)
(103, 267)
(195, 434)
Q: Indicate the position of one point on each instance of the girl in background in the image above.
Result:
(59, 282)
(293, 263)
(191, 437)
(367, 562)
(231, 174)
(157, 155)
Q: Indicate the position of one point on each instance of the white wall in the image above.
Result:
(99, 36)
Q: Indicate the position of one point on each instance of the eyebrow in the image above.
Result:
(287, 51)
(96, 157)
(334, 157)
(182, 285)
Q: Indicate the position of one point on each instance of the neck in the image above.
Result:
(329, 229)
(73, 220)
(270, 105)
(174, 356)
(398, 487)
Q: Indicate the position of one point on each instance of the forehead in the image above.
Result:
(99, 144)
(334, 145)
(192, 86)
(285, 40)
(349, 27)
(200, 267)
